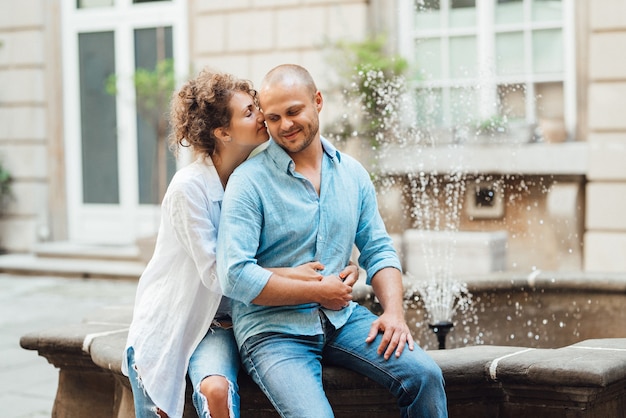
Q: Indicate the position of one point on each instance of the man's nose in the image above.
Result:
(286, 124)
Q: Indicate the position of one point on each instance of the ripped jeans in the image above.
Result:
(144, 406)
(216, 354)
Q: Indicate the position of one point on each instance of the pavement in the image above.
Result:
(37, 301)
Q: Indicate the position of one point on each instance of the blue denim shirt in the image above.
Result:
(273, 217)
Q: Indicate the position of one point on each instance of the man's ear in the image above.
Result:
(319, 101)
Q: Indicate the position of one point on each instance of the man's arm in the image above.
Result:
(387, 286)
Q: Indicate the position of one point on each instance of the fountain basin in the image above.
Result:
(584, 379)
(540, 310)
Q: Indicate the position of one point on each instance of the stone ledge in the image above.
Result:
(587, 379)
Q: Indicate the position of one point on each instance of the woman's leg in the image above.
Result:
(144, 407)
(213, 370)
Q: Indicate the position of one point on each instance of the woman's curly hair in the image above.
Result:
(202, 105)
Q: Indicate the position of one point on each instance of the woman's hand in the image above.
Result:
(350, 274)
(306, 271)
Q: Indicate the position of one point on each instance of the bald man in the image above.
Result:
(301, 200)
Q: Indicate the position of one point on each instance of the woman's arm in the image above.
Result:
(310, 271)
(332, 292)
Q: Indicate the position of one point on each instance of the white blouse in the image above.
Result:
(178, 294)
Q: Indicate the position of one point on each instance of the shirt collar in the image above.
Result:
(282, 159)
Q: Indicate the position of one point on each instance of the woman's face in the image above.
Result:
(247, 125)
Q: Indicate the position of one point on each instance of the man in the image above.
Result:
(301, 200)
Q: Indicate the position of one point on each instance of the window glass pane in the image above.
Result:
(463, 13)
(509, 11)
(428, 58)
(463, 106)
(547, 10)
(463, 57)
(549, 100)
(428, 14)
(98, 121)
(147, 1)
(151, 46)
(429, 107)
(86, 4)
(512, 101)
(550, 116)
(509, 53)
(547, 51)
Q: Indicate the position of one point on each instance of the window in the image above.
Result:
(479, 59)
(112, 157)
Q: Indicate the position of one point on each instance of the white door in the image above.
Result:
(110, 152)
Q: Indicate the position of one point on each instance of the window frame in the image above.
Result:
(485, 31)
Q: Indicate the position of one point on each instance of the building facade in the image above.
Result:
(80, 159)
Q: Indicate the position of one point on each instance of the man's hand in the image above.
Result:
(387, 285)
(396, 335)
(333, 293)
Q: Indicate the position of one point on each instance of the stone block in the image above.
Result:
(607, 14)
(22, 122)
(605, 206)
(28, 160)
(13, 52)
(209, 34)
(23, 13)
(289, 24)
(604, 251)
(464, 253)
(29, 198)
(347, 21)
(607, 153)
(605, 106)
(275, 3)
(24, 85)
(262, 63)
(606, 60)
(212, 6)
(257, 35)
(237, 64)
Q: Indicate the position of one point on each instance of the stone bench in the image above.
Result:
(587, 379)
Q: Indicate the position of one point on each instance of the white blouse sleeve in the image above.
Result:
(194, 218)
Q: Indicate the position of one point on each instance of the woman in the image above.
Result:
(181, 322)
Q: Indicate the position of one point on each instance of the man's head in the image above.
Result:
(291, 104)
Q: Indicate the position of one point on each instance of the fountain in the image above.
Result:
(427, 168)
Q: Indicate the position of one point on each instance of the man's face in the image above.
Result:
(291, 114)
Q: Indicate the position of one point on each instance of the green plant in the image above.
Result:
(373, 78)
(492, 125)
(153, 91)
(6, 192)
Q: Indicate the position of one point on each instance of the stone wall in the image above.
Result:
(605, 237)
(30, 120)
(248, 38)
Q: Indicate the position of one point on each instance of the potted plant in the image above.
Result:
(153, 91)
(370, 79)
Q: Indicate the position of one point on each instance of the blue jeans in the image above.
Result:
(288, 368)
(144, 406)
(216, 355)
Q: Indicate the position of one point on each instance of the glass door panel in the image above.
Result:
(151, 46)
(98, 119)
